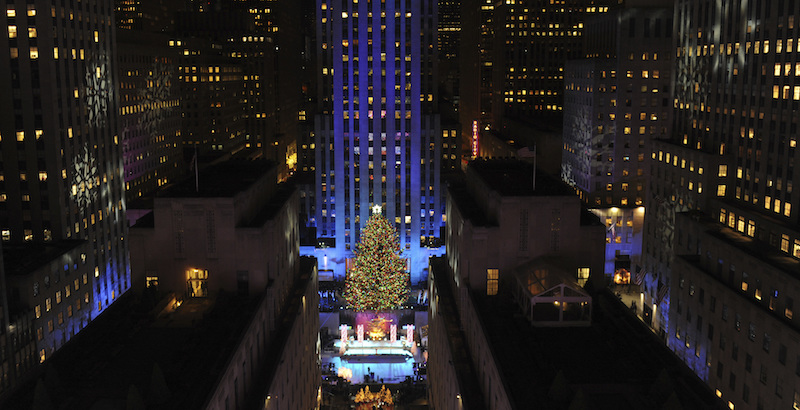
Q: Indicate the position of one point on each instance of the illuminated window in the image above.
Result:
(723, 171)
(38, 311)
(12, 31)
(492, 279)
(720, 190)
(583, 276)
(785, 243)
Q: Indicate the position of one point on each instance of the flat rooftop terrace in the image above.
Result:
(615, 362)
(222, 180)
(25, 258)
(512, 177)
(119, 349)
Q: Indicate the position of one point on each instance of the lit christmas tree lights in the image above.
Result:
(378, 279)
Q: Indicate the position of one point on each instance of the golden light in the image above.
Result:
(345, 373)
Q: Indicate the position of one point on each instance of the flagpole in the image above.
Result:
(196, 171)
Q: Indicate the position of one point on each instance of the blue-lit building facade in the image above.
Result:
(61, 172)
(377, 133)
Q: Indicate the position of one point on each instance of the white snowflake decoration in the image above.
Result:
(155, 96)
(98, 91)
(84, 179)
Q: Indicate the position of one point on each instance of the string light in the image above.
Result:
(378, 279)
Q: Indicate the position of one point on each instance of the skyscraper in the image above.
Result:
(723, 235)
(616, 100)
(377, 134)
(61, 171)
(518, 49)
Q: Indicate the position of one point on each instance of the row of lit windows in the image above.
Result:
(11, 12)
(757, 47)
(624, 201)
(669, 158)
(27, 233)
(397, 114)
(748, 227)
(32, 33)
(33, 53)
(137, 108)
(786, 92)
(740, 224)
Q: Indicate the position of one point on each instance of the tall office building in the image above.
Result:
(377, 134)
(62, 173)
(265, 103)
(521, 48)
(616, 100)
(723, 233)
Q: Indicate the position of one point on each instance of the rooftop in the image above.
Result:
(26, 258)
(614, 362)
(121, 348)
(463, 200)
(752, 247)
(511, 177)
(273, 205)
(222, 180)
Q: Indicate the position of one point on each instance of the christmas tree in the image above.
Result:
(377, 279)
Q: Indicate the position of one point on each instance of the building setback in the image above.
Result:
(377, 134)
(62, 169)
(521, 47)
(616, 100)
(510, 239)
(233, 228)
(722, 234)
(150, 114)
